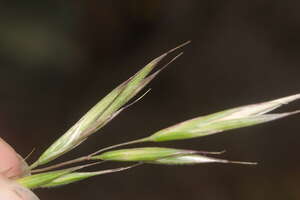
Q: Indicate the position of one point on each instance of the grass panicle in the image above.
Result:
(117, 101)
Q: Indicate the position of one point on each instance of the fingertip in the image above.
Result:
(12, 164)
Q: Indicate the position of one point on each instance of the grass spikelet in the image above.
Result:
(225, 120)
(102, 112)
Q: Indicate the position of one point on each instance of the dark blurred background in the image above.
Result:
(58, 58)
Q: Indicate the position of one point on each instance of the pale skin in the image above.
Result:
(12, 166)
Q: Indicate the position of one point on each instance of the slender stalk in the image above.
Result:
(88, 157)
(119, 145)
(80, 159)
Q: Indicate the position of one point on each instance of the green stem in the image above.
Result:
(84, 158)
(120, 145)
(34, 165)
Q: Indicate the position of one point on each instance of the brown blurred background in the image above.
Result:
(58, 58)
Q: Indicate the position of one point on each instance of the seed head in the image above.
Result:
(225, 120)
(103, 112)
(140, 154)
